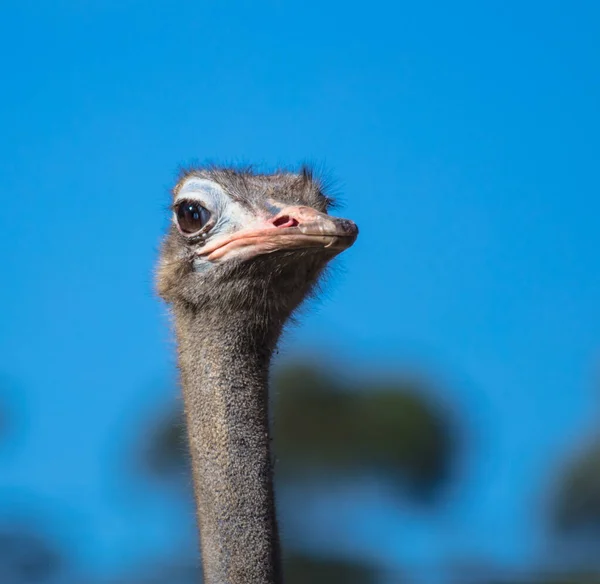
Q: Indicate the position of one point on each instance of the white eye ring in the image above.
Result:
(197, 206)
(200, 189)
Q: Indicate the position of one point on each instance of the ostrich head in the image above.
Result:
(248, 244)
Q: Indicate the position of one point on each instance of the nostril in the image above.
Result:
(285, 221)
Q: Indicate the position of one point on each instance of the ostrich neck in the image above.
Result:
(224, 374)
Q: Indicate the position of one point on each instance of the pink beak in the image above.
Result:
(292, 228)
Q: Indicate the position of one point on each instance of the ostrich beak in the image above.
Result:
(293, 228)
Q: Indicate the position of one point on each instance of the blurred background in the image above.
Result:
(437, 411)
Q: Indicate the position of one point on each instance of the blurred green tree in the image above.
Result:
(325, 426)
(27, 557)
(301, 569)
(565, 578)
(165, 452)
(577, 504)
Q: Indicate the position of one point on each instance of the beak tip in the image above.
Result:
(348, 228)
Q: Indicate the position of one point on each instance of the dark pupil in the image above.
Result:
(191, 217)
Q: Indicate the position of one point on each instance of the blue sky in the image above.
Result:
(465, 140)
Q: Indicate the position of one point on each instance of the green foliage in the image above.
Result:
(577, 506)
(576, 578)
(391, 429)
(27, 557)
(307, 569)
(166, 453)
(567, 578)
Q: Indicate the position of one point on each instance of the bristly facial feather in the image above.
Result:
(266, 276)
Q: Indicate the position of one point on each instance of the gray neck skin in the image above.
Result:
(224, 373)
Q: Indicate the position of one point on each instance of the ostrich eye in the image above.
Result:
(191, 216)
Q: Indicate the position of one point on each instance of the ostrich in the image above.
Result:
(242, 253)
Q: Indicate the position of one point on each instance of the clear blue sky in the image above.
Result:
(465, 137)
